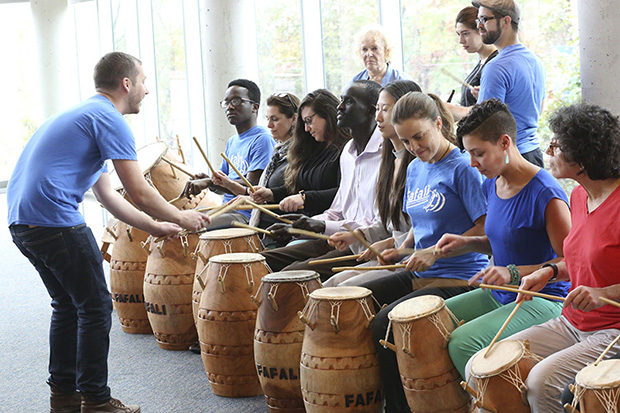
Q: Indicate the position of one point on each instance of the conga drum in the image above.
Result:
(422, 327)
(500, 376)
(168, 291)
(279, 335)
(226, 321)
(597, 388)
(339, 369)
(220, 241)
(127, 266)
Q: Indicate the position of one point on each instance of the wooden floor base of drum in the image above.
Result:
(285, 405)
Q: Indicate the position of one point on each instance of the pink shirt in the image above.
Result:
(354, 201)
(592, 254)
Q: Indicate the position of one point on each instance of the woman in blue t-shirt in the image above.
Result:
(527, 220)
(442, 194)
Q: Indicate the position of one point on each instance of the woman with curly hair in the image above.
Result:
(585, 148)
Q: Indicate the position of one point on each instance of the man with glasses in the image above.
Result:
(353, 205)
(516, 76)
(249, 150)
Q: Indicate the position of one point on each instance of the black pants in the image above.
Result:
(392, 291)
(298, 256)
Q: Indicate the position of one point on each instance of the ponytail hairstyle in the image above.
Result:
(417, 105)
(390, 188)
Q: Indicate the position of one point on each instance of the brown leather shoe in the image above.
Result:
(111, 406)
(61, 402)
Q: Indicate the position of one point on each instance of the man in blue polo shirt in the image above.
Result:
(63, 159)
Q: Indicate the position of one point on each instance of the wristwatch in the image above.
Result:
(555, 270)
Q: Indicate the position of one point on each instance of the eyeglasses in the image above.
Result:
(552, 145)
(308, 120)
(287, 97)
(234, 102)
(484, 19)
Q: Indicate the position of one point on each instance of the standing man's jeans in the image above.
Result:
(70, 265)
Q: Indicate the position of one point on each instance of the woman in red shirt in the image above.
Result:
(585, 148)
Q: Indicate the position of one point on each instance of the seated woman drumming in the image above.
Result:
(527, 220)
(585, 148)
(392, 229)
(442, 194)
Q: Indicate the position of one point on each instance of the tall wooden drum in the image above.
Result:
(279, 335)
(500, 376)
(168, 291)
(127, 266)
(226, 320)
(597, 388)
(220, 241)
(422, 327)
(339, 370)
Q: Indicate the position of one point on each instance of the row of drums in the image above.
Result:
(306, 348)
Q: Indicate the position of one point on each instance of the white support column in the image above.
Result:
(599, 36)
(314, 65)
(229, 52)
(56, 56)
(389, 15)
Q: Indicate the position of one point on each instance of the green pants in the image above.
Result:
(484, 316)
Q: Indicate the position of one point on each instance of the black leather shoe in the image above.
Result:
(195, 348)
(111, 406)
(61, 402)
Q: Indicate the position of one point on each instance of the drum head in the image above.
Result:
(290, 276)
(237, 258)
(340, 293)
(503, 356)
(148, 156)
(417, 307)
(605, 375)
(227, 233)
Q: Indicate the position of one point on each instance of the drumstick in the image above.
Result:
(204, 155)
(377, 267)
(363, 241)
(230, 206)
(298, 231)
(174, 165)
(243, 178)
(246, 226)
(175, 199)
(613, 343)
(336, 259)
(446, 72)
(268, 212)
(501, 330)
(608, 301)
(266, 206)
(517, 290)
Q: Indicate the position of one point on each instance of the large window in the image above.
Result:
(302, 44)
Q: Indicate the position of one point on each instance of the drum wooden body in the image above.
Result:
(279, 336)
(226, 320)
(422, 327)
(339, 370)
(597, 388)
(127, 266)
(221, 241)
(168, 292)
(500, 377)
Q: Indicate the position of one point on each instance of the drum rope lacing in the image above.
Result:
(304, 289)
(607, 397)
(367, 311)
(250, 241)
(512, 377)
(199, 275)
(184, 243)
(227, 246)
(271, 295)
(333, 319)
(112, 231)
(249, 276)
(222, 276)
(307, 312)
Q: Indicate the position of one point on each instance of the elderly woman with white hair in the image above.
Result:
(376, 51)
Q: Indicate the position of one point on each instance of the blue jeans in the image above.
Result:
(70, 265)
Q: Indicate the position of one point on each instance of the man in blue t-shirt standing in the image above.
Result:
(515, 76)
(249, 150)
(63, 159)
